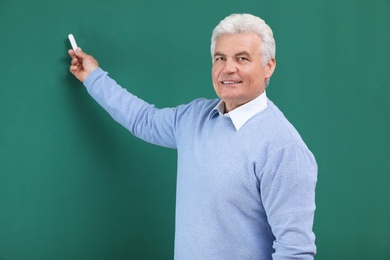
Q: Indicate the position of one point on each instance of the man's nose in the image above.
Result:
(230, 67)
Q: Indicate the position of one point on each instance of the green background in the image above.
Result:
(76, 185)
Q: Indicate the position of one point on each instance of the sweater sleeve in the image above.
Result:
(143, 120)
(288, 194)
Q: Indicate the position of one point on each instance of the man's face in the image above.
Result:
(238, 73)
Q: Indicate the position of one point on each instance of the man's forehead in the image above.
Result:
(234, 44)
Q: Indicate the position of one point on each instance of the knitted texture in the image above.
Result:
(246, 194)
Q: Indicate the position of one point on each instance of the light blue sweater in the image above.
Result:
(246, 194)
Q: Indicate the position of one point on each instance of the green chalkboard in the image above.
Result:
(76, 185)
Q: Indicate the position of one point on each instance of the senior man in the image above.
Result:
(245, 178)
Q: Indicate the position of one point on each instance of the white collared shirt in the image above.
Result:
(242, 114)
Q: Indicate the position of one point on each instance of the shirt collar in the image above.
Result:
(242, 114)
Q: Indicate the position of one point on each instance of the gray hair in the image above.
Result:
(246, 23)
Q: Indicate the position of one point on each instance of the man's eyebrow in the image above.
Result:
(243, 53)
(219, 54)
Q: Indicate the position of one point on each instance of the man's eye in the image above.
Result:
(218, 58)
(242, 58)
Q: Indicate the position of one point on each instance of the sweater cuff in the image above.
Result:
(95, 74)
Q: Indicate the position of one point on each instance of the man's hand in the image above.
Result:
(82, 64)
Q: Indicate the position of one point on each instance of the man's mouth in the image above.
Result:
(230, 82)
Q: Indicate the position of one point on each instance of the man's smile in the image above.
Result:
(230, 82)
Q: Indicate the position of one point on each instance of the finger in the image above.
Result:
(73, 69)
(80, 53)
(71, 53)
(75, 61)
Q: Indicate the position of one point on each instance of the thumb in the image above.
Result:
(80, 52)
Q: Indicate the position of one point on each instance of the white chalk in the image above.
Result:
(73, 43)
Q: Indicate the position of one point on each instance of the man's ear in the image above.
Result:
(270, 68)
